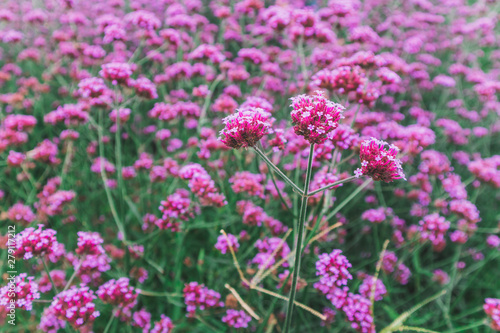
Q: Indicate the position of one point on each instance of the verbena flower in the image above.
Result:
(333, 269)
(197, 296)
(164, 325)
(223, 244)
(314, 116)
(236, 319)
(379, 162)
(75, 306)
(245, 128)
(33, 242)
(22, 293)
(120, 294)
(358, 311)
(365, 289)
(492, 309)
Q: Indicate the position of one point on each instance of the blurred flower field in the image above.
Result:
(250, 166)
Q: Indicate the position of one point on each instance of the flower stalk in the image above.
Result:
(278, 171)
(331, 185)
(298, 242)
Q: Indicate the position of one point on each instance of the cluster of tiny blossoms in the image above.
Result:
(23, 292)
(314, 117)
(202, 185)
(223, 243)
(33, 242)
(236, 319)
(433, 228)
(378, 162)
(89, 243)
(175, 209)
(75, 306)
(197, 296)
(245, 128)
(118, 293)
(332, 268)
(492, 309)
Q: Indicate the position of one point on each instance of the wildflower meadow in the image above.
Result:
(250, 166)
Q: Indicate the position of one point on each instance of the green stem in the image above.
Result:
(108, 325)
(355, 115)
(465, 328)
(50, 277)
(118, 157)
(206, 104)
(331, 185)
(277, 170)
(105, 180)
(349, 198)
(279, 191)
(298, 247)
(73, 275)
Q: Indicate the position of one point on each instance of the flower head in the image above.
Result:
(245, 127)
(76, 306)
(492, 309)
(33, 242)
(333, 269)
(314, 116)
(378, 162)
(118, 293)
(236, 319)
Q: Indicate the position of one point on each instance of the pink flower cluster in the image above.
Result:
(120, 294)
(377, 215)
(236, 319)
(314, 117)
(254, 215)
(117, 72)
(197, 296)
(266, 247)
(164, 325)
(247, 182)
(400, 272)
(75, 306)
(365, 289)
(332, 268)
(23, 290)
(21, 214)
(358, 312)
(33, 242)
(433, 228)
(379, 163)
(245, 127)
(440, 277)
(175, 209)
(202, 185)
(224, 243)
(89, 243)
(492, 309)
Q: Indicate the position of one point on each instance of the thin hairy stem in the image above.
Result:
(298, 247)
(331, 185)
(73, 275)
(278, 171)
(50, 277)
(105, 179)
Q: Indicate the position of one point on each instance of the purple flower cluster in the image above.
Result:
(197, 296)
(236, 319)
(333, 270)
